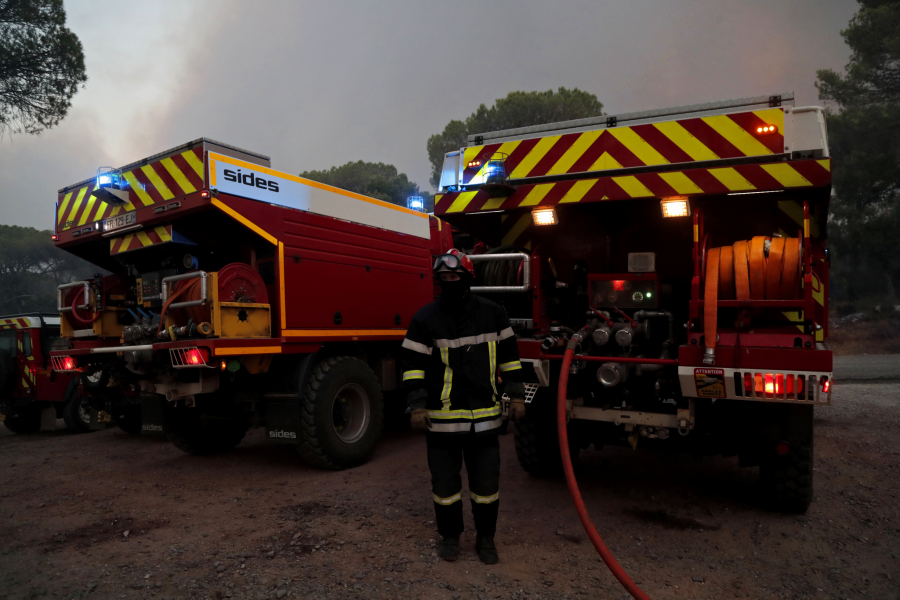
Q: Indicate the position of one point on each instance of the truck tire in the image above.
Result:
(76, 410)
(97, 380)
(341, 414)
(128, 419)
(537, 441)
(205, 430)
(787, 481)
(7, 372)
(24, 422)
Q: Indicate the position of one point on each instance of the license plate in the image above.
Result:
(119, 221)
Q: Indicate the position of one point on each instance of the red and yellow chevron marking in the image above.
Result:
(722, 180)
(671, 142)
(141, 239)
(13, 324)
(159, 181)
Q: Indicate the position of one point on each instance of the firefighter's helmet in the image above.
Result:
(454, 262)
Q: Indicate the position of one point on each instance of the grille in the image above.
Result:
(185, 358)
(59, 363)
(641, 262)
(788, 387)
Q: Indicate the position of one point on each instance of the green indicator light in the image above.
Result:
(649, 295)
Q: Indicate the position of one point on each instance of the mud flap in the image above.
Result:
(48, 419)
(283, 422)
(152, 416)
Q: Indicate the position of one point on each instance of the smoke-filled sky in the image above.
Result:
(315, 84)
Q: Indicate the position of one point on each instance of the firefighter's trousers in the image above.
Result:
(445, 458)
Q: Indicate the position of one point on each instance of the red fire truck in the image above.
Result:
(32, 396)
(681, 255)
(240, 296)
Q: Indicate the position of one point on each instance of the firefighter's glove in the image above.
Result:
(516, 408)
(419, 419)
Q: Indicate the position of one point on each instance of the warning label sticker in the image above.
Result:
(710, 383)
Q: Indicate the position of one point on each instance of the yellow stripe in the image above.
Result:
(100, 210)
(448, 379)
(326, 333)
(632, 186)
(484, 499)
(248, 350)
(163, 233)
(739, 137)
(283, 309)
(578, 191)
(445, 415)
(786, 175)
(438, 198)
(413, 375)
(510, 366)
(471, 154)
(243, 220)
(571, 156)
(62, 207)
(87, 210)
(696, 233)
(682, 138)
(195, 162)
(461, 202)
(447, 501)
(178, 176)
(75, 206)
(825, 164)
(731, 179)
(536, 194)
(681, 183)
(491, 204)
(126, 242)
(644, 151)
(605, 163)
(161, 187)
(534, 157)
(144, 239)
(138, 188)
(517, 229)
(492, 354)
(112, 245)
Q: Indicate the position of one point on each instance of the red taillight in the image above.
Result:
(54, 237)
(826, 385)
(619, 285)
(197, 356)
(772, 385)
(204, 194)
(782, 448)
(68, 363)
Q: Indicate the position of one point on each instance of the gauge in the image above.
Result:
(637, 297)
(613, 296)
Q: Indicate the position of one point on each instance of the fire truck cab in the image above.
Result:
(681, 253)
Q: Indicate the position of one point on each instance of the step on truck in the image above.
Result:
(32, 395)
(240, 296)
(682, 254)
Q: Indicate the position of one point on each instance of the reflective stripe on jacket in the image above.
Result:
(450, 364)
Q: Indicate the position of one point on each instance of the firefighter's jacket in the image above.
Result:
(451, 356)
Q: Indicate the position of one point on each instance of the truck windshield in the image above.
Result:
(9, 341)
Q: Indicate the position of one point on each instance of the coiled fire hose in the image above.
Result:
(78, 318)
(586, 522)
(761, 269)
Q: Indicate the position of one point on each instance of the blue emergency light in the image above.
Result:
(416, 203)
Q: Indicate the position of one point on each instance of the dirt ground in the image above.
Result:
(105, 515)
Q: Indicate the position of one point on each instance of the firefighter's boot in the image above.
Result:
(486, 549)
(448, 548)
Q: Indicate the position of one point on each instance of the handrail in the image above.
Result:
(68, 286)
(498, 289)
(202, 275)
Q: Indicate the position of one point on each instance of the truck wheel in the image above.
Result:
(96, 380)
(77, 410)
(341, 414)
(537, 442)
(26, 421)
(199, 430)
(786, 481)
(128, 419)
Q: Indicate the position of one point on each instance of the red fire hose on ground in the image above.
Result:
(589, 528)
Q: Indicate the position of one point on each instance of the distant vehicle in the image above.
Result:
(32, 395)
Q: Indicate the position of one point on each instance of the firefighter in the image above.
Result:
(452, 353)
